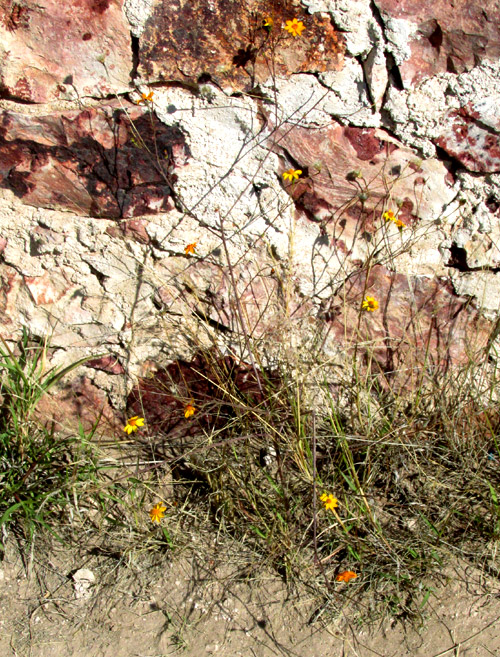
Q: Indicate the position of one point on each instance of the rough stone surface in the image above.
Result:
(58, 50)
(419, 318)
(382, 105)
(456, 112)
(224, 41)
(474, 136)
(105, 162)
(441, 35)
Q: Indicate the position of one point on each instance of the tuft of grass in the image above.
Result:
(39, 469)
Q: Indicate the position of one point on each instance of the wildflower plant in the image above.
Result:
(189, 410)
(145, 99)
(292, 174)
(157, 512)
(330, 502)
(390, 216)
(294, 27)
(370, 304)
(133, 424)
(346, 576)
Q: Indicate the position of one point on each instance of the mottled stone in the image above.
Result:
(420, 322)
(59, 50)
(347, 171)
(473, 136)
(441, 35)
(47, 289)
(79, 401)
(109, 364)
(111, 161)
(225, 41)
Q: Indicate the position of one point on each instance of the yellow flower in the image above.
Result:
(190, 248)
(145, 98)
(370, 304)
(389, 216)
(157, 512)
(329, 501)
(346, 576)
(268, 22)
(295, 27)
(292, 174)
(133, 423)
(189, 410)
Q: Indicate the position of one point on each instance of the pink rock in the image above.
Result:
(420, 322)
(53, 50)
(108, 364)
(450, 35)
(227, 43)
(81, 401)
(48, 288)
(91, 162)
(335, 160)
(134, 229)
(471, 141)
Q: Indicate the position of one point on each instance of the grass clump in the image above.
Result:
(315, 479)
(39, 469)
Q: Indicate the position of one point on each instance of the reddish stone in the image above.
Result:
(340, 162)
(420, 322)
(364, 142)
(56, 48)
(471, 140)
(80, 401)
(134, 229)
(451, 35)
(204, 382)
(10, 282)
(224, 41)
(109, 364)
(91, 162)
(48, 288)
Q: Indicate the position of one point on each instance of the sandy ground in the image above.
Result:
(197, 608)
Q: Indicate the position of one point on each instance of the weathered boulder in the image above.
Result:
(111, 161)
(57, 50)
(427, 37)
(226, 41)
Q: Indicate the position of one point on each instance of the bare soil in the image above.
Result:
(149, 606)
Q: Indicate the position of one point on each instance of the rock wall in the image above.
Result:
(133, 129)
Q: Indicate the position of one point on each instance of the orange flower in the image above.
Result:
(346, 576)
(145, 98)
(268, 23)
(157, 512)
(295, 27)
(190, 248)
(390, 216)
(189, 409)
